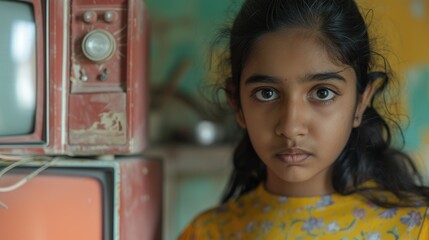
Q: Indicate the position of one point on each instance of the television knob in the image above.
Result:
(98, 45)
(110, 16)
(89, 17)
(104, 75)
(83, 76)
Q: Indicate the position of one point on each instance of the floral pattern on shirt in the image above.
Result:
(262, 215)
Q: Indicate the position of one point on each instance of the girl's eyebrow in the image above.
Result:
(324, 76)
(259, 78)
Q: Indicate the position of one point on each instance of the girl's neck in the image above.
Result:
(318, 186)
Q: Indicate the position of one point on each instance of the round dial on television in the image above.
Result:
(98, 45)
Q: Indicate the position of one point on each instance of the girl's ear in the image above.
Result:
(239, 117)
(235, 106)
(363, 101)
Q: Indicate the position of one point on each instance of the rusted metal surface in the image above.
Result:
(141, 199)
(88, 107)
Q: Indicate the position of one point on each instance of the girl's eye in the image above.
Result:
(322, 94)
(266, 94)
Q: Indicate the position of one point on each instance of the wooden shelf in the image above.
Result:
(192, 158)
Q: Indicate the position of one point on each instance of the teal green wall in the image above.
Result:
(417, 86)
(184, 29)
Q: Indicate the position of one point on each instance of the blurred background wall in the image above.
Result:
(191, 134)
(197, 145)
(402, 29)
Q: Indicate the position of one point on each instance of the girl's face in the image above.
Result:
(299, 107)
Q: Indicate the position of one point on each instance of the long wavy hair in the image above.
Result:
(369, 154)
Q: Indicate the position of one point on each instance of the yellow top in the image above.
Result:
(262, 215)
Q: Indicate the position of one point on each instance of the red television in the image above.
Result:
(73, 77)
(83, 199)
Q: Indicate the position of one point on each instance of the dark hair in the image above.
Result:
(368, 155)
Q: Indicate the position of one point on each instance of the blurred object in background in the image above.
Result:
(182, 33)
(180, 118)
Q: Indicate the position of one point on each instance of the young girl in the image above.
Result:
(316, 160)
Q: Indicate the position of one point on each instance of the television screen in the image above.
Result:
(17, 68)
(83, 199)
(59, 204)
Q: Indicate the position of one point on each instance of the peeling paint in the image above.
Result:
(76, 72)
(110, 129)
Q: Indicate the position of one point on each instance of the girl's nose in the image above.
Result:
(292, 119)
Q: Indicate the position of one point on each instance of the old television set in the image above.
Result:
(84, 199)
(73, 77)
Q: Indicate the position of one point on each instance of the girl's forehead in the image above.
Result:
(294, 38)
(291, 51)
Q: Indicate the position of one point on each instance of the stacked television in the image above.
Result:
(74, 108)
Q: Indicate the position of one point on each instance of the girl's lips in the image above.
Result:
(293, 156)
(293, 159)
